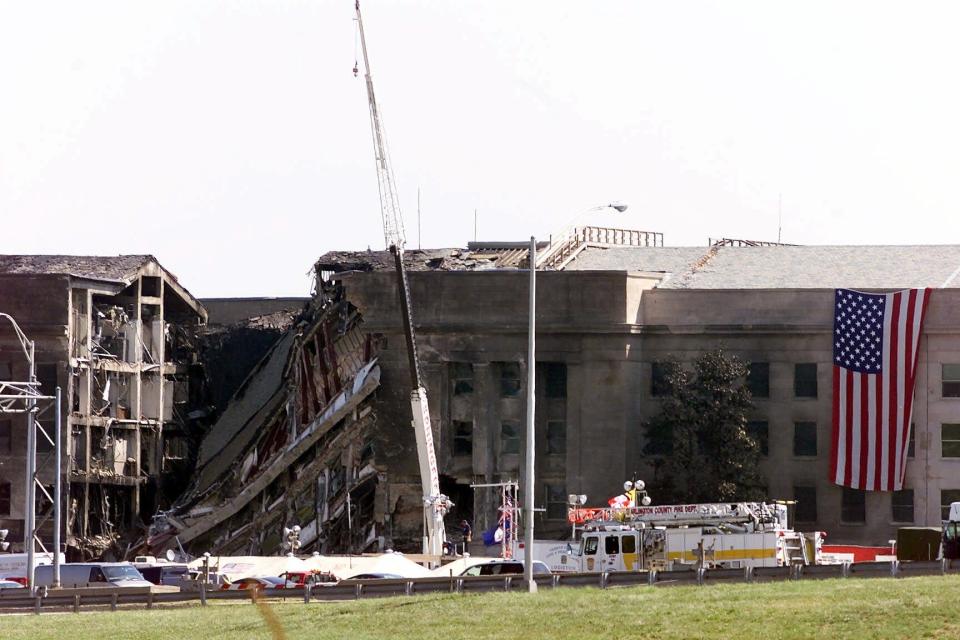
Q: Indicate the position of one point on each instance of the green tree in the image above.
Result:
(699, 442)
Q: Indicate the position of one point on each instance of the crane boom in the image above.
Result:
(393, 232)
(435, 504)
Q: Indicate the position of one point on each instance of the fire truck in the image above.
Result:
(668, 537)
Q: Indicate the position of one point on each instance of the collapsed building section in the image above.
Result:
(293, 446)
(119, 336)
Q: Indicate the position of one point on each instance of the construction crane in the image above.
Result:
(435, 504)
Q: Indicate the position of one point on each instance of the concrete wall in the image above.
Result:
(609, 327)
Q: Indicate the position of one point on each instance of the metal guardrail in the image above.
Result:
(113, 599)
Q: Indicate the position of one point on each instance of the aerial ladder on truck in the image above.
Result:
(731, 535)
(435, 504)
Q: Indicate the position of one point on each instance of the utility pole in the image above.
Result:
(528, 480)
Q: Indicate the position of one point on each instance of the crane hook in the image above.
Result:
(356, 70)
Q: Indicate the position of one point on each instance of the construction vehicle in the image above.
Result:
(713, 535)
(435, 504)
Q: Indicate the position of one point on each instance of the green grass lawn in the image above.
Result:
(852, 608)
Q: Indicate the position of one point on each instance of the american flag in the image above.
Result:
(875, 339)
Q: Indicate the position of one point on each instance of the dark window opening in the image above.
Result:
(509, 437)
(901, 505)
(805, 380)
(659, 385)
(556, 382)
(4, 498)
(628, 543)
(611, 545)
(806, 508)
(758, 379)
(805, 439)
(6, 436)
(47, 377)
(950, 381)
(150, 286)
(556, 502)
(509, 379)
(759, 431)
(946, 497)
(590, 544)
(461, 377)
(950, 440)
(556, 437)
(462, 438)
(853, 506)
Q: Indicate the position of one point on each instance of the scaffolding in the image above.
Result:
(43, 417)
(509, 514)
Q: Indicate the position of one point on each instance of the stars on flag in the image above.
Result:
(858, 331)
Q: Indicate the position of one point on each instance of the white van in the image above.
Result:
(92, 574)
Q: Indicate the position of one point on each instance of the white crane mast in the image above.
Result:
(393, 232)
(435, 504)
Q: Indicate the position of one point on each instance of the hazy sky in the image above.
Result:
(231, 140)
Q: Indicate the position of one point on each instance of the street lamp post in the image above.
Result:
(528, 495)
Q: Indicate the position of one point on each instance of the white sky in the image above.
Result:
(231, 140)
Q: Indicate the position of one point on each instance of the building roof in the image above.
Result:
(112, 268)
(784, 267)
(714, 267)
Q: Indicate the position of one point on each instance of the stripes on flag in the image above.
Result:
(876, 338)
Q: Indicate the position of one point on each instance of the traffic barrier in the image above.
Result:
(722, 575)
(768, 574)
(821, 571)
(628, 578)
(481, 584)
(871, 569)
(576, 580)
(677, 576)
(921, 568)
(77, 599)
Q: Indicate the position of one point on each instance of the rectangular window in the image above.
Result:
(4, 498)
(759, 430)
(758, 379)
(950, 440)
(628, 543)
(946, 497)
(912, 441)
(901, 505)
(556, 502)
(509, 379)
(805, 438)
(805, 380)
(509, 437)
(659, 387)
(556, 437)
(853, 506)
(611, 545)
(6, 437)
(461, 378)
(556, 375)
(806, 507)
(950, 381)
(462, 438)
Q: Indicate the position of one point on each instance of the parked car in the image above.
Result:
(378, 575)
(300, 579)
(10, 584)
(258, 583)
(499, 567)
(92, 574)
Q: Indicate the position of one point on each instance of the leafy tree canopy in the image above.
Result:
(701, 449)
